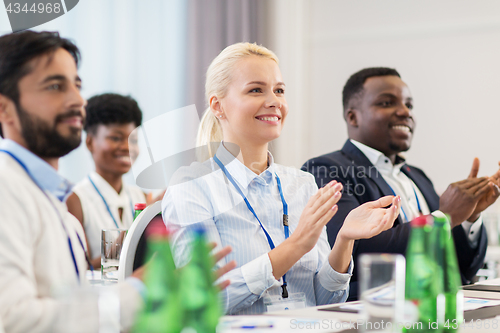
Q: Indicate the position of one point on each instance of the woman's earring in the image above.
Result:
(220, 116)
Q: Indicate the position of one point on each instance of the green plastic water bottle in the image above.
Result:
(200, 300)
(161, 312)
(444, 251)
(422, 287)
(138, 208)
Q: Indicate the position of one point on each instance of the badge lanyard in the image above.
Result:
(416, 197)
(60, 219)
(106, 204)
(285, 214)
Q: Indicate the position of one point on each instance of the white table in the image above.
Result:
(329, 319)
(315, 313)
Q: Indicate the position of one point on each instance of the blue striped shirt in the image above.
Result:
(201, 195)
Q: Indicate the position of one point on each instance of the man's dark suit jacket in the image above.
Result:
(362, 183)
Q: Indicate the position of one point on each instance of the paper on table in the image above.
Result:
(492, 282)
(95, 275)
(476, 303)
(356, 307)
(278, 324)
(96, 281)
(469, 304)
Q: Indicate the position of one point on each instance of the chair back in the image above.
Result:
(134, 245)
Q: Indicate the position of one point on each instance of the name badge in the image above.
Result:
(278, 303)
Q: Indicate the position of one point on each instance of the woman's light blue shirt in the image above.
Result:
(201, 195)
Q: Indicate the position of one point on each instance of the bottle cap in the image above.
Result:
(157, 228)
(139, 206)
(422, 221)
(199, 231)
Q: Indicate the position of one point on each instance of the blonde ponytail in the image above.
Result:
(218, 79)
(209, 131)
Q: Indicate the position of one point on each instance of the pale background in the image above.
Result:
(447, 51)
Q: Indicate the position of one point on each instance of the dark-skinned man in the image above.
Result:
(378, 111)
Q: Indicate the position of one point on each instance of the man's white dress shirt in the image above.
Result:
(35, 257)
(411, 197)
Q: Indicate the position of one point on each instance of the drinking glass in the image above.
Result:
(382, 289)
(111, 247)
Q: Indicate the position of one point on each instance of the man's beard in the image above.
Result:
(44, 140)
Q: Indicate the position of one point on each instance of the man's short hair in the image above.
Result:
(354, 84)
(18, 49)
(109, 109)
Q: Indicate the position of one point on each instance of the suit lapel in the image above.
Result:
(364, 166)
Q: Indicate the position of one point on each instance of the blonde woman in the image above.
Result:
(272, 216)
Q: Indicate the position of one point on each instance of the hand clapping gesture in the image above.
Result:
(371, 218)
(466, 199)
(366, 221)
(491, 194)
(318, 212)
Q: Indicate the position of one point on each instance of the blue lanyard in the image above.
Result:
(106, 204)
(416, 197)
(60, 219)
(250, 208)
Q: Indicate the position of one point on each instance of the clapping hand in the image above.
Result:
(365, 221)
(491, 194)
(318, 212)
(466, 199)
(371, 218)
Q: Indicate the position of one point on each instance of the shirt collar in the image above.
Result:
(240, 173)
(378, 159)
(44, 175)
(109, 193)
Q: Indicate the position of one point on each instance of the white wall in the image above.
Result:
(128, 47)
(448, 52)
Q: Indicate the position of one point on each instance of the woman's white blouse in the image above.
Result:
(201, 195)
(95, 214)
